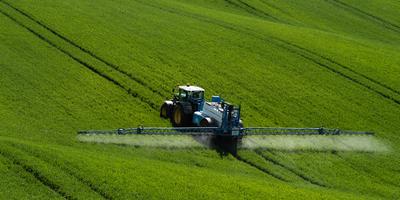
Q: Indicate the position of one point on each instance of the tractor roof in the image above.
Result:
(191, 88)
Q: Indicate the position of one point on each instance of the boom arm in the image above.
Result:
(215, 131)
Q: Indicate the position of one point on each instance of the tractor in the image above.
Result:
(188, 108)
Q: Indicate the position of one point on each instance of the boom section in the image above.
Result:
(222, 131)
(300, 131)
(154, 131)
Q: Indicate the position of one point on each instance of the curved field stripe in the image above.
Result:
(294, 49)
(353, 71)
(367, 172)
(93, 187)
(299, 174)
(117, 68)
(91, 67)
(83, 63)
(260, 168)
(307, 54)
(26, 171)
(57, 180)
(361, 13)
(271, 5)
(251, 9)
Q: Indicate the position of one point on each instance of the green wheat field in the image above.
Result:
(100, 64)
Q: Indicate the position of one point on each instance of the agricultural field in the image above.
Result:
(75, 65)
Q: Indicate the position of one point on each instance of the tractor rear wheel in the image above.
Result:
(177, 116)
(181, 117)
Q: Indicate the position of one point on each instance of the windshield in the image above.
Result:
(185, 95)
(198, 95)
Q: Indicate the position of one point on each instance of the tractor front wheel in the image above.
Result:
(205, 122)
(164, 111)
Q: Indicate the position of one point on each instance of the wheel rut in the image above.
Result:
(361, 13)
(367, 172)
(81, 61)
(265, 171)
(327, 63)
(308, 55)
(69, 172)
(115, 67)
(302, 176)
(251, 9)
(320, 61)
(37, 175)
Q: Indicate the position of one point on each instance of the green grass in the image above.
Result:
(72, 65)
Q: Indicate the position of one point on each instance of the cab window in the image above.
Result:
(182, 94)
(198, 95)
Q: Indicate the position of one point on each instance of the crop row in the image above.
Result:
(332, 170)
(126, 81)
(82, 174)
(319, 60)
(51, 96)
(59, 181)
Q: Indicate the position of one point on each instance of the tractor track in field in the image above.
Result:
(115, 67)
(308, 55)
(25, 174)
(81, 61)
(37, 175)
(266, 2)
(367, 172)
(263, 170)
(389, 25)
(16, 166)
(251, 9)
(88, 66)
(69, 172)
(296, 50)
(342, 74)
(302, 176)
(258, 36)
(346, 67)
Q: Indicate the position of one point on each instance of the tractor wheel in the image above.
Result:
(164, 111)
(177, 116)
(205, 122)
(181, 118)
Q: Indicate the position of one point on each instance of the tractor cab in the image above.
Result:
(192, 94)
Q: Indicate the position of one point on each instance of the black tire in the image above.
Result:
(181, 115)
(164, 111)
(177, 116)
(204, 123)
